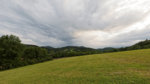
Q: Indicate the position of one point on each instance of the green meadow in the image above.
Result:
(129, 67)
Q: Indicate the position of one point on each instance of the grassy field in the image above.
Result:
(130, 67)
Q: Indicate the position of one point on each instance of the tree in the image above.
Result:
(10, 51)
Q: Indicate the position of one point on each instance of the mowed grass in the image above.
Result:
(130, 67)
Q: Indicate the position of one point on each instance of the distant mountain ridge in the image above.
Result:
(140, 45)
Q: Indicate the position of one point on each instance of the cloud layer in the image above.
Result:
(91, 23)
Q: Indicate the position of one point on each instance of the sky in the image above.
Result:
(90, 23)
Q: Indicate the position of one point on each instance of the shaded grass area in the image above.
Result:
(129, 67)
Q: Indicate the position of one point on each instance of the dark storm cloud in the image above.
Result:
(65, 22)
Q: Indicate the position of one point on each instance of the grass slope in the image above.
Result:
(130, 67)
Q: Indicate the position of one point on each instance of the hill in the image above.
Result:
(107, 49)
(129, 67)
(69, 51)
(140, 45)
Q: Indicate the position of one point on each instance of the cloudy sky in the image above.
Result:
(90, 23)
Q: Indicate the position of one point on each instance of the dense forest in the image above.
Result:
(15, 54)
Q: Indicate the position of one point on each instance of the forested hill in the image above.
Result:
(141, 45)
(71, 51)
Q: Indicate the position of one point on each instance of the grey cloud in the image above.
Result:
(54, 22)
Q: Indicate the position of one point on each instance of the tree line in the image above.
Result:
(15, 54)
